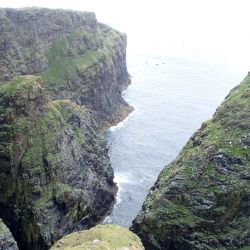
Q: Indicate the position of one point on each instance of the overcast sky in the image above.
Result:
(216, 29)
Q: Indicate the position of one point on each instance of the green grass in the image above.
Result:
(20, 85)
(68, 56)
(59, 74)
(101, 237)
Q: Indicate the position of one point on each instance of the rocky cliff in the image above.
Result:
(77, 57)
(7, 241)
(202, 199)
(61, 76)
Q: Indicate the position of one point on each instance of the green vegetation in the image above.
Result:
(70, 55)
(61, 73)
(100, 237)
(20, 86)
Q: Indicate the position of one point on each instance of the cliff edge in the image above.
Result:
(202, 199)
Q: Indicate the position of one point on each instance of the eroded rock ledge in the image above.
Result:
(202, 199)
(61, 76)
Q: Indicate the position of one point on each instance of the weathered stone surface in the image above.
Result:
(202, 199)
(7, 241)
(55, 175)
(103, 237)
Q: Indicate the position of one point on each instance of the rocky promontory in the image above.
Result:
(202, 199)
(61, 75)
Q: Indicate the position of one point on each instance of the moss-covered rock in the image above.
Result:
(106, 237)
(202, 199)
(7, 241)
(55, 175)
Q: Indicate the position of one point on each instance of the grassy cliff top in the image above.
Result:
(100, 237)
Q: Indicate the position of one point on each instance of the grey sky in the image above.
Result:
(216, 29)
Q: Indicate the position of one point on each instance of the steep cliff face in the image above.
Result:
(61, 76)
(7, 241)
(77, 57)
(55, 173)
(202, 199)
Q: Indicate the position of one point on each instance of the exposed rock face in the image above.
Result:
(202, 199)
(7, 241)
(77, 57)
(55, 174)
(103, 237)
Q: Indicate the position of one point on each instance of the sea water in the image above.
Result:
(171, 97)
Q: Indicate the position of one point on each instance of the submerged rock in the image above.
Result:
(106, 237)
(7, 241)
(202, 199)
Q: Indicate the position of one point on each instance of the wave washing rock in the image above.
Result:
(7, 241)
(105, 237)
(202, 199)
(61, 76)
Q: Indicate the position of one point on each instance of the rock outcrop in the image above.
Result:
(103, 237)
(202, 199)
(61, 76)
(7, 241)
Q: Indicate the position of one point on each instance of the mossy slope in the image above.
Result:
(105, 237)
(202, 199)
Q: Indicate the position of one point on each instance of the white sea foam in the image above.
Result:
(119, 125)
(119, 179)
